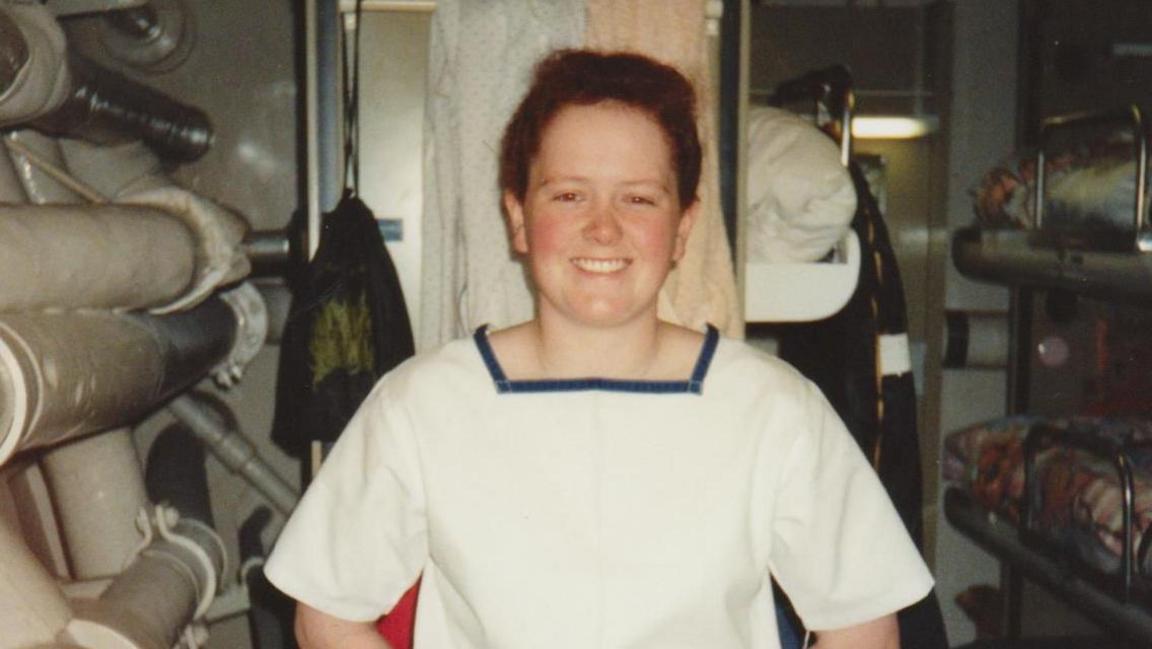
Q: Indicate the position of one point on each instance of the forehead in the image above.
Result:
(606, 133)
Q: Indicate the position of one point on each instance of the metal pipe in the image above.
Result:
(213, 425)
(322, 25)
(97, 488)
(66, 374)
(269, 251)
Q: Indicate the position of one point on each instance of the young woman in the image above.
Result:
(596, 477)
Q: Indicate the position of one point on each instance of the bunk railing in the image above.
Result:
(1057, 254)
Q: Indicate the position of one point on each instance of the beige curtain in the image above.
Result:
(702, 288)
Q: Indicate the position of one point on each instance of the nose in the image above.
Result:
(603, 225)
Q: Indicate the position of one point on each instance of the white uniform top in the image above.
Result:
(598, 513)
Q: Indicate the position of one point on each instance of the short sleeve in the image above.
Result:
(357, 540)
(839, 549)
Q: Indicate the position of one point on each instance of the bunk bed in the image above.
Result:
(1062, 494)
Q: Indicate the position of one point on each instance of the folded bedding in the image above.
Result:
(1078, 498)
(801, 199)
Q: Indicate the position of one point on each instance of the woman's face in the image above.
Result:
(601, 223)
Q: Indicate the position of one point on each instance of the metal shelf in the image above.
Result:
(1028, 258)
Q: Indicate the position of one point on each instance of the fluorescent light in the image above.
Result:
(893, 128)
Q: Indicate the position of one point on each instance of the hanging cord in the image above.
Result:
(55, 172)
(350, 72)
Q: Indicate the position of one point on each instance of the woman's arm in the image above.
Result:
(318, 630)
(881, 633)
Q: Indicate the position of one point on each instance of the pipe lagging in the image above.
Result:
(33, 608)
(94, 256)
(63, 375)
(33, 41)
(236, 452)
(105, 107)
(97, 490)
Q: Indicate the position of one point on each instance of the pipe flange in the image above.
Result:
(14, 393)
(252, 330)
(161, 47)
(201, 542)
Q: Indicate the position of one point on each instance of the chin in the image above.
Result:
(609, 315)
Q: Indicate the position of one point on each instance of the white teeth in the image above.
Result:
(602, 266)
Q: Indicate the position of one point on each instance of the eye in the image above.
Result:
(566, 197)
(641, 199)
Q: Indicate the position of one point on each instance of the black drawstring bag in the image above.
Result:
(348, 326)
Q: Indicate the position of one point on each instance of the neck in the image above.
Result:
(627, 350)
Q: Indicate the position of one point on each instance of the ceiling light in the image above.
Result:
(870, 127)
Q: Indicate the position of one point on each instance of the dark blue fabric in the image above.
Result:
(791, 634)
(694, 385)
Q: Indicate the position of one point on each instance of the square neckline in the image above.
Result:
(694, 384)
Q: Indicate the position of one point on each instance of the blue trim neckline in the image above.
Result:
(694, 384)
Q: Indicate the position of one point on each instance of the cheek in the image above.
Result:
(657, 240)
(546, 237)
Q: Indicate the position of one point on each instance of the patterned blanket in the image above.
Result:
(1077, 501)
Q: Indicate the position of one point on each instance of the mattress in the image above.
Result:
(1075, 498)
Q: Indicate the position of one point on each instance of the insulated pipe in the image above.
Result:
(33, 45)
(217, 430)
(976, 339)
(97, 487)
(33, 609)
(97, 256)
(169, 584)
(66, 374)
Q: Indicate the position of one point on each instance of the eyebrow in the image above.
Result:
(653, 183)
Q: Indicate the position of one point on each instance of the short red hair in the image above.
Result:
(583, 78)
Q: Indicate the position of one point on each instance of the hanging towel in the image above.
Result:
(481, 59)
(347, 326)
(702, 288)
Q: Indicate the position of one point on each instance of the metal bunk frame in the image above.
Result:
(1077, 262)
(1022, 259)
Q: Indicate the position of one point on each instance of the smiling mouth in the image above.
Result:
(601, 266)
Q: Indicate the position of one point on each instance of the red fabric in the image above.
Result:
(397, 626)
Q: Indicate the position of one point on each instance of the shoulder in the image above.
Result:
(453, 367)
(767, 392)
(736, 362)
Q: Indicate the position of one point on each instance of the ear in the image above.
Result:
(514, 211)
(684, 228)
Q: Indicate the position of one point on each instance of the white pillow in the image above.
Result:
(800, 198)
